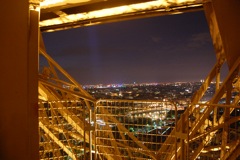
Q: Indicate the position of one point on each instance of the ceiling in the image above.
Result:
(64, 14)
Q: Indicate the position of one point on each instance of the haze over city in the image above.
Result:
(158, 49)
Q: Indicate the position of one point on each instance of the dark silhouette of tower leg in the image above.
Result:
(19, 89)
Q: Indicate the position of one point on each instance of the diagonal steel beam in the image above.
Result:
(57, 141)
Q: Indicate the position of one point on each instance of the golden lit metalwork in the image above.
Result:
(133, 128)
(100, 15)
(63, 107)
(55, 3)
(72, 124)
(68, 115)
(207, 121)
(50, 3)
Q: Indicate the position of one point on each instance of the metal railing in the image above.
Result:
(73, 125)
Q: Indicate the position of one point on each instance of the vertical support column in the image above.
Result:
(226, 117)
(19, 81)
(217, 86)
(227, 15)
(182, 148)
(214, 31)
(33, 50)
(224, 25)
(95, 130)
(90, 134)
(176, 138)
(84, 131)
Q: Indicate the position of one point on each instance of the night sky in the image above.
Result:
(172, 48)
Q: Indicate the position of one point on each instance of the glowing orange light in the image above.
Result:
(111, 11)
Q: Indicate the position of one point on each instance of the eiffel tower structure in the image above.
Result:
(46, 114)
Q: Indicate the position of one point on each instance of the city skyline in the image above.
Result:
(158, 49)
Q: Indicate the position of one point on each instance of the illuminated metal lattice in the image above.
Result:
(73, 125)
(210, 130)
(64, 114)
(133, 129)
(61, 130)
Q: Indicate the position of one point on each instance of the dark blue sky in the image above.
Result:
(158, 49)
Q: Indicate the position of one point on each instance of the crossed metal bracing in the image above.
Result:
(73, 125)
(209, 130)
(64, 111)
(133, 129)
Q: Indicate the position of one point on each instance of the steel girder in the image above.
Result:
(65, 121)
(68, 117)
